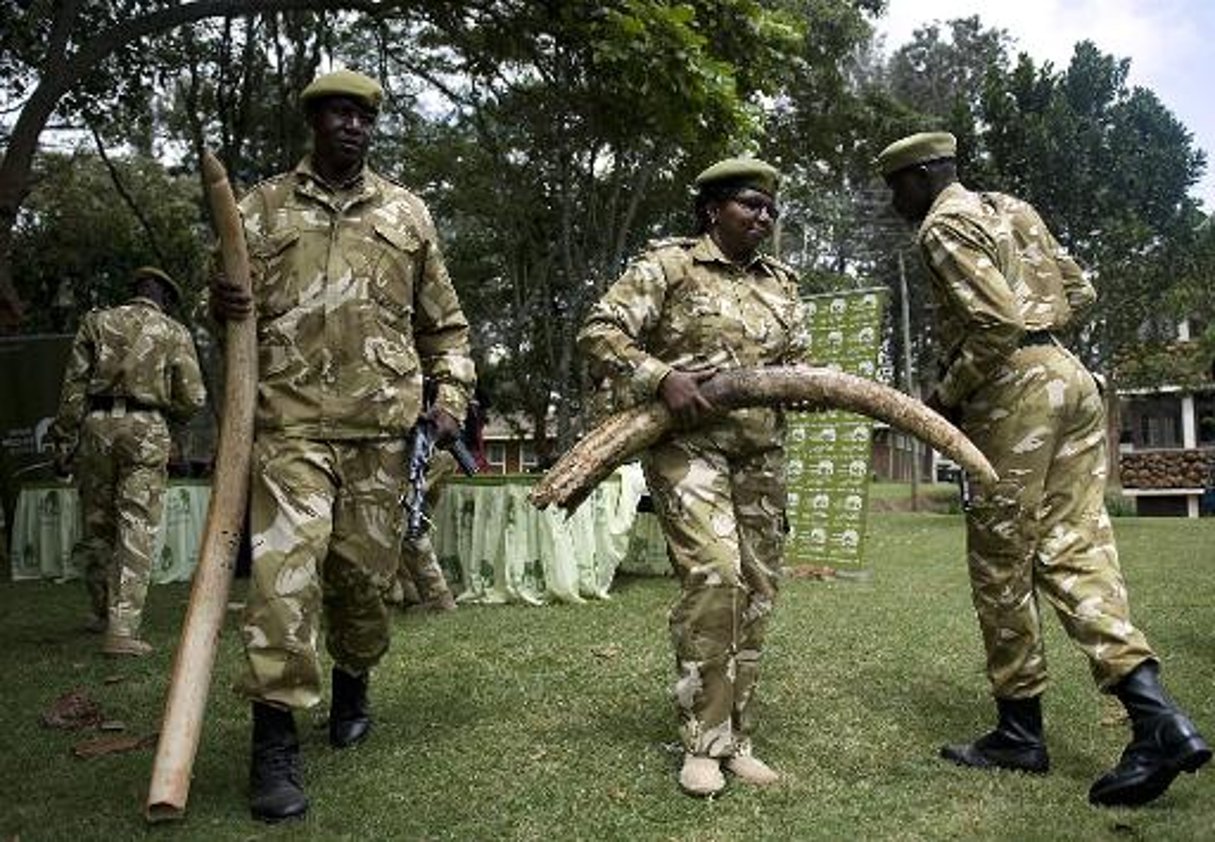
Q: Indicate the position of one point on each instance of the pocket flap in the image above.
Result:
(399, 359)
(272, 244)
(403, 239)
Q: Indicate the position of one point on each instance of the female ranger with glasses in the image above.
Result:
(686, 308)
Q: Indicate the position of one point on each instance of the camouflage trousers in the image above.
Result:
(325, 522)
(420, 576)
(122, 468)
(722, 512)
(1044, 528)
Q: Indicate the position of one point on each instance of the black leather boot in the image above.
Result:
(349, 712)
(275, 788)
(1164, 743)
(1015, 744)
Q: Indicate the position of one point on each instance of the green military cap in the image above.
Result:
(161, 277)
(916, 149)
(744, 172)
(344, 83)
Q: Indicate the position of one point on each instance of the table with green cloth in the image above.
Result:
(495, 546)
(47, 523)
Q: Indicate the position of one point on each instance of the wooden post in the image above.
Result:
(908, 380)
(192, 665)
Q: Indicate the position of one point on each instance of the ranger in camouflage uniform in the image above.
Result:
(685, 309)
(353, 306)
(129, 367)
(1004, 288)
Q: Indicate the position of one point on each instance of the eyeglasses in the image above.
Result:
(754, 203)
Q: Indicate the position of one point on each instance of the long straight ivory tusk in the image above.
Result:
(192, 665)
(625, 434)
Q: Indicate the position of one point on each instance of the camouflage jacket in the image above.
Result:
(997, 272)
(131, 351)
(682, 304)
(354, 305)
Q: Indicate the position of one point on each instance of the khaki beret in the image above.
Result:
(161, 277)
(344, 83)
(916, 149)
(746, 172)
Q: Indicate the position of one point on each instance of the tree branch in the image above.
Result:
(126, 196)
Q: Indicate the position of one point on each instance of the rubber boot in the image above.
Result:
(1164, 743)
(349, 712)
(275, 788)
(1016, 743)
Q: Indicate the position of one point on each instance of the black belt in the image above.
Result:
(108, 403)
(1036, 337)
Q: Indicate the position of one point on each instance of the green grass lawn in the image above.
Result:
(553, 723)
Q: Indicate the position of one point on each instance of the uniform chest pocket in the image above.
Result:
(770, 314)
(398, 260)
(276, 278)
(691, 311)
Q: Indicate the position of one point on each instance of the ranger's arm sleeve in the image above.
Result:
(961, 260)
(441, 330)
(1077, 289)
(64, 433)
(799, 349)
(611, 335)
(187, 392)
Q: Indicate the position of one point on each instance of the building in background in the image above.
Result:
(510, 445)
(1167, 425)
(893, 457)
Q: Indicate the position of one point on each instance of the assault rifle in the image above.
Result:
(421, 450)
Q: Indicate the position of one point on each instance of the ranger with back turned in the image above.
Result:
(1005, 290)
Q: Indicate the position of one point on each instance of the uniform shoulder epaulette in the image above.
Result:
(268, 182)
(779, 265)
(386, 181)
(670, 242)
(391, 180)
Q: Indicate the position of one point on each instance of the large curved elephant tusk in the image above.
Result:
(191, 679)
(625, 434)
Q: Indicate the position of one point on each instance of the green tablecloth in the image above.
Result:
(495, 546)
(47, 523)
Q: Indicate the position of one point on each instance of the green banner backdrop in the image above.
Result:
(830, 452)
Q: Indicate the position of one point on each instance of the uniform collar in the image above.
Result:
(145, 302)
(706, 250)
(309, 181)
(952, 191)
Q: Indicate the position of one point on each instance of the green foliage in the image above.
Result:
(553, 139)
(77, 243)
(1195, 291)
(1117, 198)
(1186, 365)
(569, 138)
(1108, 166)
(233, 84)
